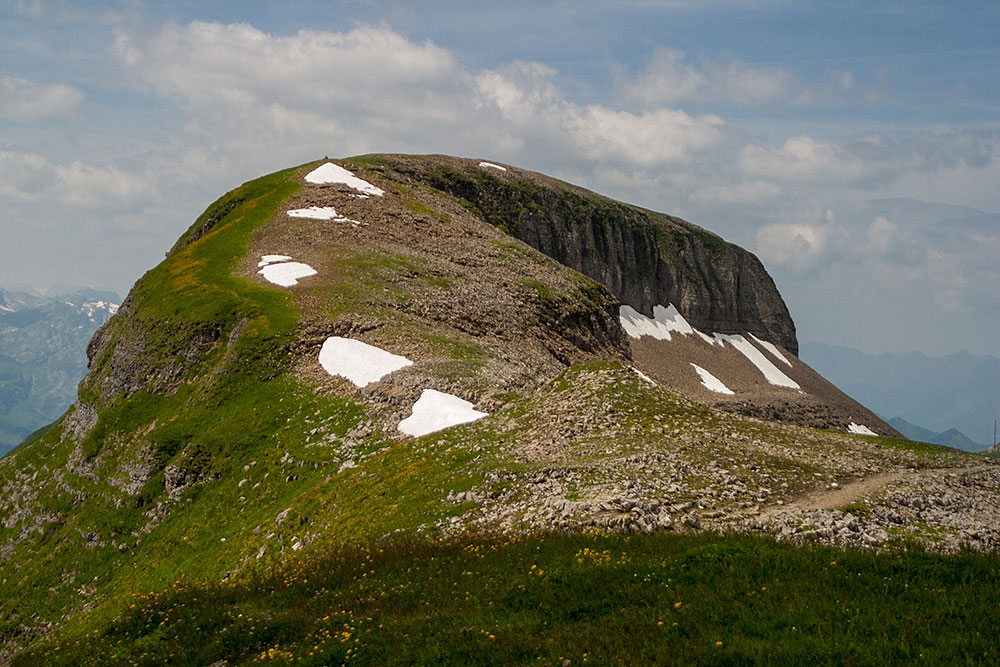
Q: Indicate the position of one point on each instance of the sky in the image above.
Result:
(854, 147)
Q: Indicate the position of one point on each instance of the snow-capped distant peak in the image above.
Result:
(91, 307)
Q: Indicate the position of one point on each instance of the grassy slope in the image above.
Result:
(226, 417)
(585, 598)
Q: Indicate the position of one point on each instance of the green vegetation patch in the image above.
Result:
(660, 599)
(423, 209)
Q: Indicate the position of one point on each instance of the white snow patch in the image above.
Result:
(91, 307)
(643, 375)
(332, 173)
(711, 382)
(757, 358)
(773, 349)
(315, 213)
(321, 213)
(664, 321)
(359, 362)
(860, 429)
(271, 259)
(490, 165)
(436, 410)
(287, 274)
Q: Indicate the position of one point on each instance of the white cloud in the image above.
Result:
(21, 98)
(524, 101)
(745, 192)
(28, 178)
(804, 159)
(802, 247)
(202, 61)
(670, 79)
(293, 97)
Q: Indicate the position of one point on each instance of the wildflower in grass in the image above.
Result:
(677, 605)
(719, 644)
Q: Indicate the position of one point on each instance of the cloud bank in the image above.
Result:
(24, 99)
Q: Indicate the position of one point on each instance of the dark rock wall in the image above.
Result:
(644, 258)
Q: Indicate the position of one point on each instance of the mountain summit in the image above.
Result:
(353, 349)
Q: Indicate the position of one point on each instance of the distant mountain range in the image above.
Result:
(43, 342)
(948, 400)
(950, 438)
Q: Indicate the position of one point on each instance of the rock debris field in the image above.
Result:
(583, 462)
(355, 360)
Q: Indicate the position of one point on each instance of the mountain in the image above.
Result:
(938, 393)
(43, 341)
(950, 438)
(369, 358)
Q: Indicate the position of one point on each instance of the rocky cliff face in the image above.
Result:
(643, 257)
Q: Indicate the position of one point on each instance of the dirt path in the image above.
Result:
(828, 499)
(845, 494)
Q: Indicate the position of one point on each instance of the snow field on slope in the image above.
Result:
(664, 321)
(331, 173)
(359, 362)
(773, 349)
(271, 259)
(321, 213)
(643, 376)
(860, 429)
(286, 274)
(490, 165)
(757, 358)
(436, 410)
(667, 320)
(711, 382)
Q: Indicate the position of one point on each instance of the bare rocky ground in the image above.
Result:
(589, 462)
(590, 456)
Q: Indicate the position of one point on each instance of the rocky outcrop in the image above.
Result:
(717, 286)
(128, 355)
(643, 257)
